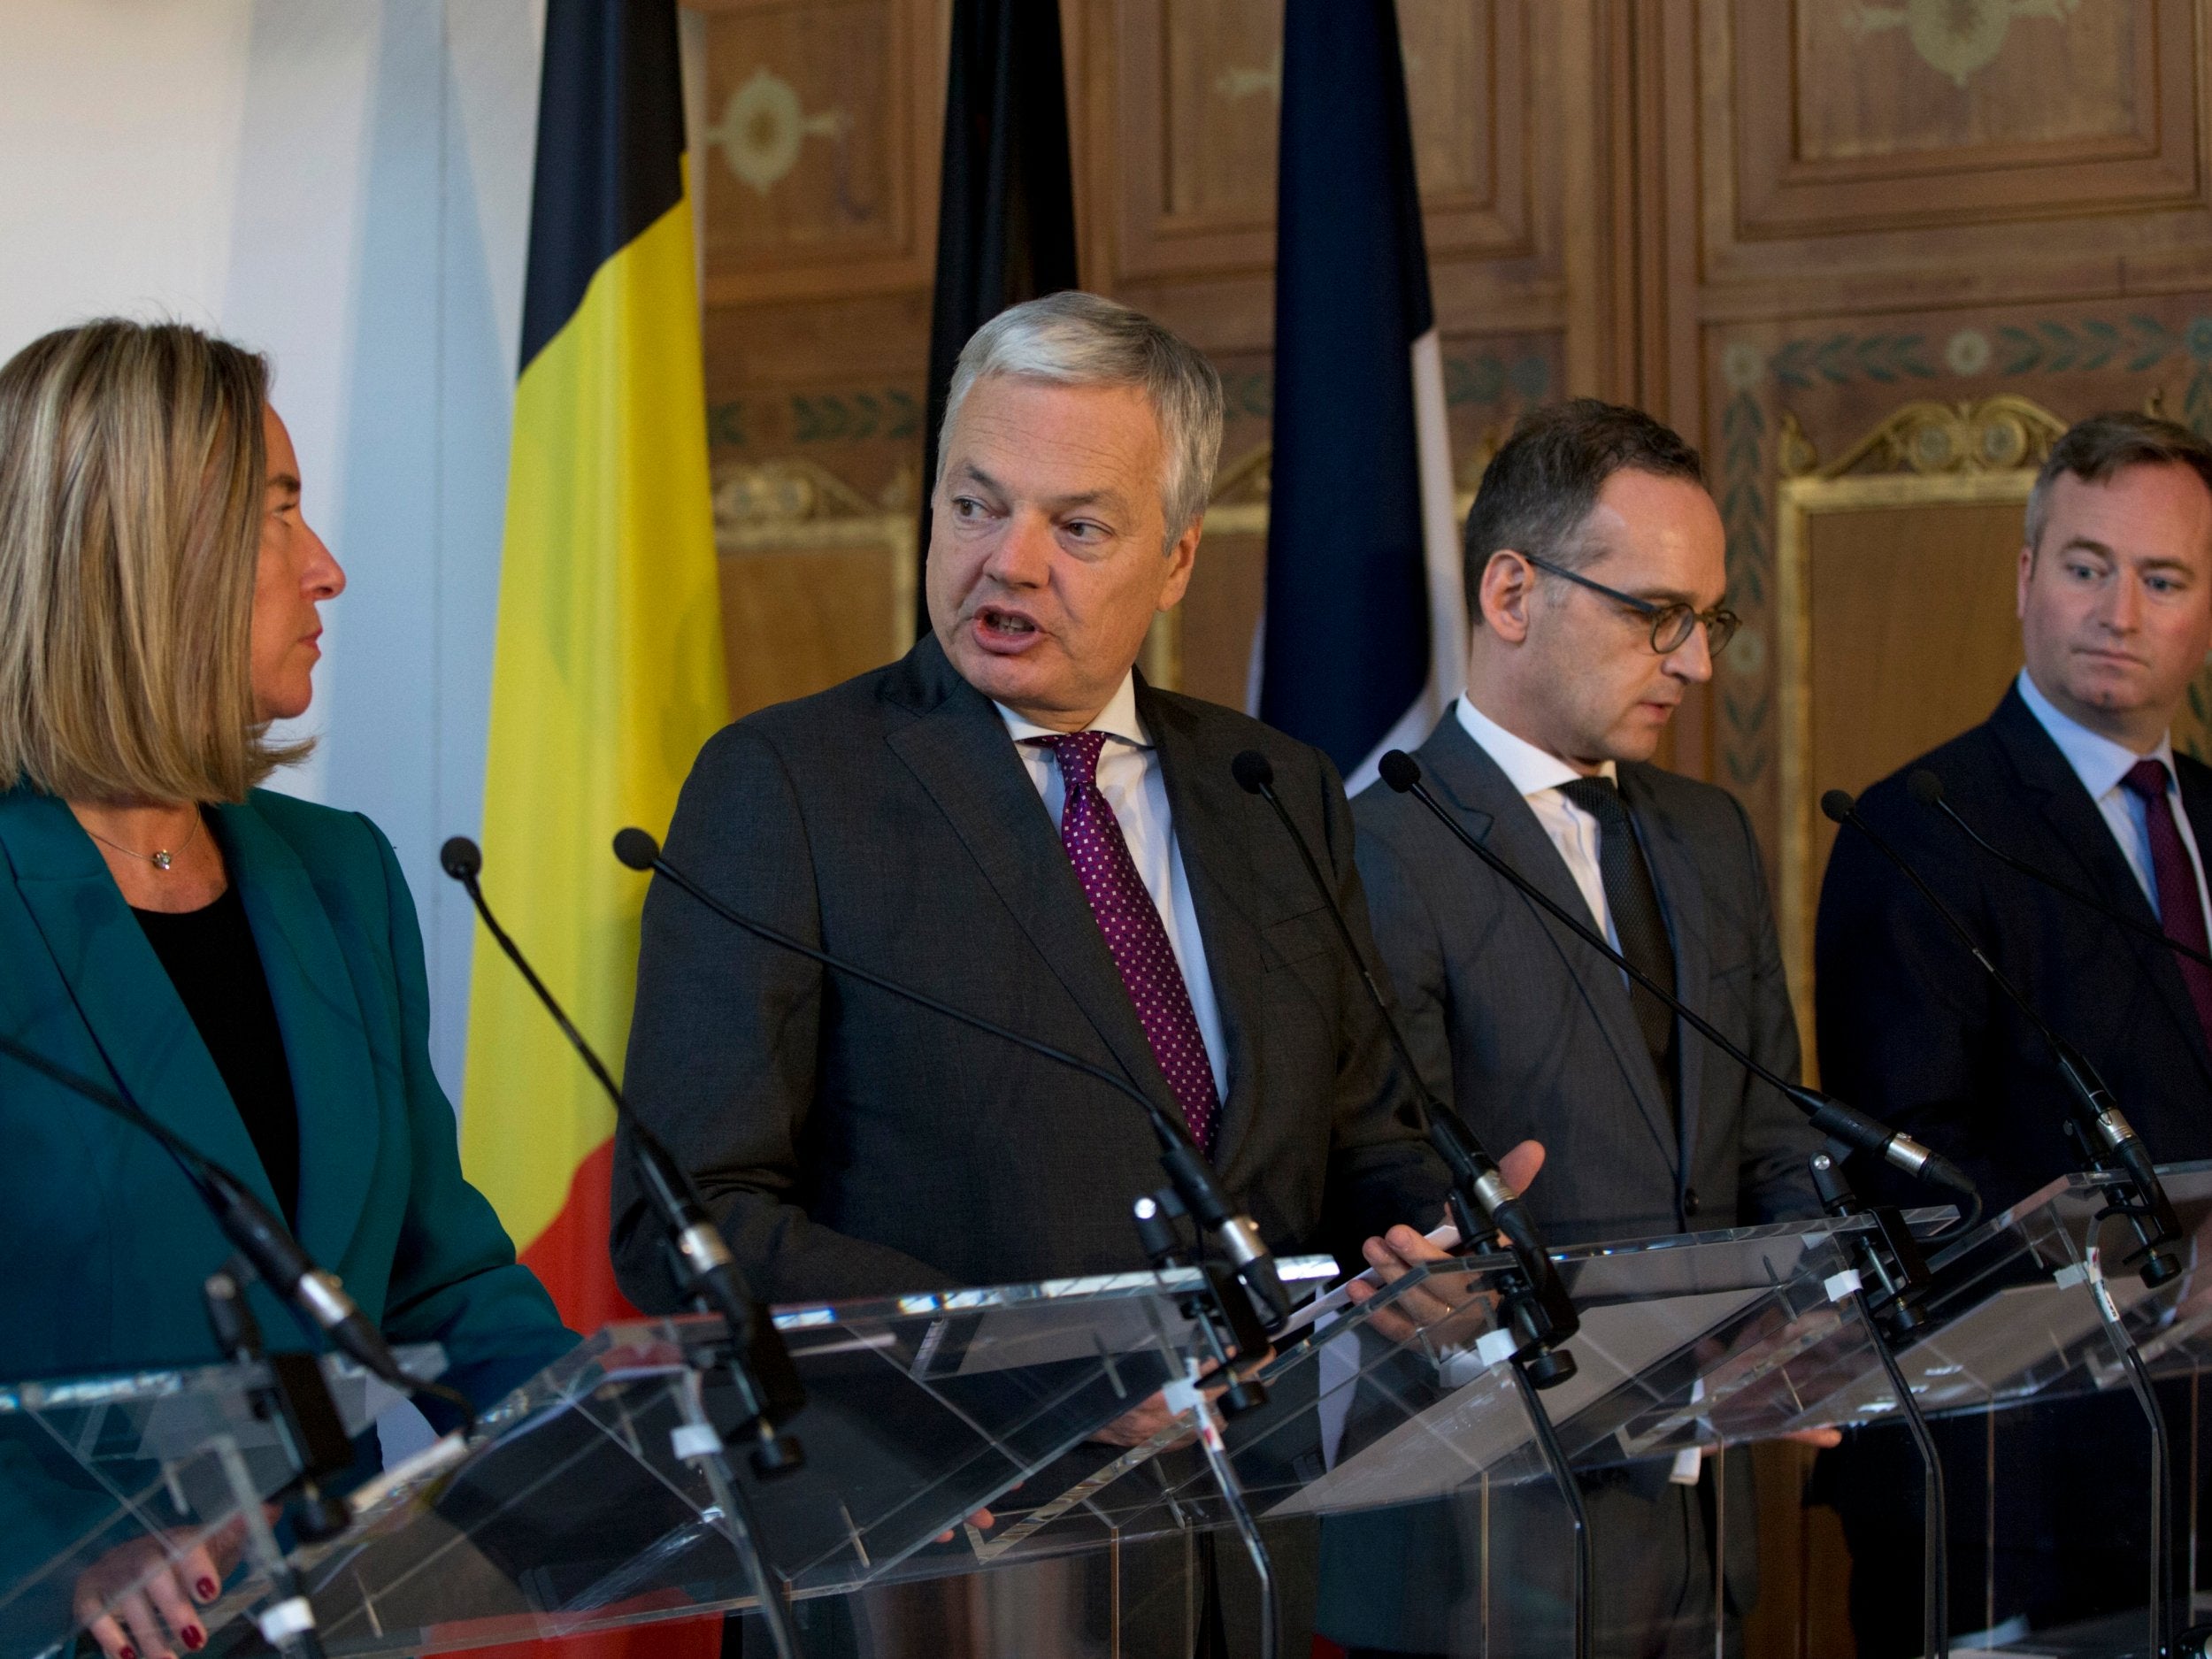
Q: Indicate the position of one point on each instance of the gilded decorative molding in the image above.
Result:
(1992, 434)
(795, 506)
(1239, 503)
(1924, 455)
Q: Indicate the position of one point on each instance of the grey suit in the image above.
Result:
(1531, 1033)
(853, 1145)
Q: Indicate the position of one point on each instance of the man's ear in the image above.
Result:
(2020, 589)
(1509, 581)
(1182, 558)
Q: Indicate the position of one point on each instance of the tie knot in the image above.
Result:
(2148, 779)
(1077, 753)
(1599, 798)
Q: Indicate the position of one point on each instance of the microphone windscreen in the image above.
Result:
(1252, 772)
(636, 849)
(1399, 770)
(1925, 787)
(460, 857)
(1837, 805)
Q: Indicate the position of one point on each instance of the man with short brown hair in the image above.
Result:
(2075, 774)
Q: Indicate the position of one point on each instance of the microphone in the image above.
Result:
(1478, 1190)
(2103, 1131)
(1235, 1235)
(265, 1242)
(1925, 788)
(700, 1257)
(1832, 1117)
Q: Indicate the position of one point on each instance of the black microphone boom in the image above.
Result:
(265, 1242)
(1832, 1117)
(1925, 788)
(1483, 1203)
(700, 1257)
(1236, 1238)
(2103, 1131)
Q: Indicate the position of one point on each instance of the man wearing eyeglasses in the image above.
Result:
(1596, 576)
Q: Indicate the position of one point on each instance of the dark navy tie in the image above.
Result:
(1632, 898)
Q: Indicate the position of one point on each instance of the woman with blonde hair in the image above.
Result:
(243, 966)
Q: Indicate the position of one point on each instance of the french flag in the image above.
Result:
(1364, 641)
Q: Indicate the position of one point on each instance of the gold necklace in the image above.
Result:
(161, 858)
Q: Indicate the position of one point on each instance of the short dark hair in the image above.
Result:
(1541, 486)
(2096, 449)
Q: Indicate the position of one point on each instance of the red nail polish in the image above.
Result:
(128, 1652)
(194, 1638)
(207, 1588)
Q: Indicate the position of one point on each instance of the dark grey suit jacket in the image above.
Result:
(1913, 1032)
(1530, 1032)
(850, 1144)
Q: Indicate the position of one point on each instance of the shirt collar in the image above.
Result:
(1117, 719)
(1526, 767)
(2098, 761)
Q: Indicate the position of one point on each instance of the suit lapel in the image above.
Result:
(121, 991)
(326, 1046)
(1468, 781)
(1213, 828)
(958, 749)
(1682, 902)
(2078, 827)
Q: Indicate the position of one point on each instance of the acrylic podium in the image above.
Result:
(1392, 1464)
(576, 1508)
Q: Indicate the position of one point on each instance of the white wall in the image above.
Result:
(347, 186)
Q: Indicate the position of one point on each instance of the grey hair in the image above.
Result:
(1078, 339)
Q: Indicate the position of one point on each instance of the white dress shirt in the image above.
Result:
(1575, 833)
(2101, 763)
(1129, 777)
(1537, 776)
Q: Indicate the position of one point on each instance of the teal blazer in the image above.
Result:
(106, 1246)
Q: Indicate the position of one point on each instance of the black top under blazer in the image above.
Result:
(1531, 1033)
(851, 1144)
(1913, 1032)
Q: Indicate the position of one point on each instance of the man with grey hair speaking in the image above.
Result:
(1010, 817)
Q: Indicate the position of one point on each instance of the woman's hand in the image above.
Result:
(142, 1600)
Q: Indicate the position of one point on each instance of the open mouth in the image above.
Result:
(1001, 627)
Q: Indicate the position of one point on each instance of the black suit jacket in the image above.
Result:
(851, 1144)
(1530, 1032)
(1913, 1032)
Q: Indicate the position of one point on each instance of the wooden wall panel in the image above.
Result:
(1186, 101)
(1882, 143)
(819, 156)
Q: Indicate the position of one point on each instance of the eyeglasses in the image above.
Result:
(1672, 625)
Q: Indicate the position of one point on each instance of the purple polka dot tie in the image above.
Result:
(2180, 907)
(1126, 916)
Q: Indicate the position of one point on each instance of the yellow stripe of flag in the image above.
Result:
(608, 677)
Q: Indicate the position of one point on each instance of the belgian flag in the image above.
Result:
(608, 673)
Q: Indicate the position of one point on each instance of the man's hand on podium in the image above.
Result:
(1152, 1417)
(1404, 1248)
